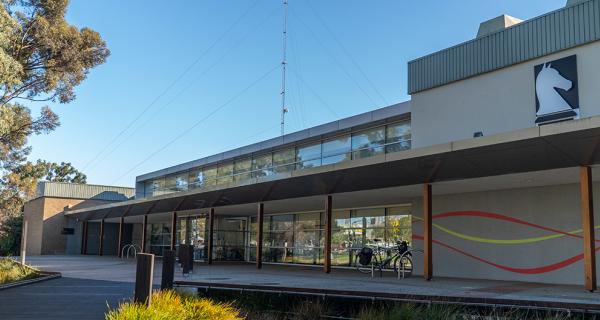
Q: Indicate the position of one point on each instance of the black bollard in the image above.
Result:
(191, 257)
(168, 270)
(185, 265)
(143, 278)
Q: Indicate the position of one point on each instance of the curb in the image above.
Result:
(46, 276)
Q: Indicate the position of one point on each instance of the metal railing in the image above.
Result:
(128, 248)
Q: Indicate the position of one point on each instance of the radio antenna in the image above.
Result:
(284, 109)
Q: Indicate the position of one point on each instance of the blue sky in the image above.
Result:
(205, 72)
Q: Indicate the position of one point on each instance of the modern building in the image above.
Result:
(489, 168)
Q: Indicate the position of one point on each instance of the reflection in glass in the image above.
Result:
(159, 239)
(368, 143)
(398, 137)
(261, 165)
(283, 161)
(224, 173)
(308, 156)
(337, 150)
(241, 169)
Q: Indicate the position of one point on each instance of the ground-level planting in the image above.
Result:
(261, 306)
(12, 271)
(175, 306)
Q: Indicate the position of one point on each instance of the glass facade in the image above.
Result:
(370, 142)
(159, 238)
(296, 238)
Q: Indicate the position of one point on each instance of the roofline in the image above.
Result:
(520, 136)
(330, 128)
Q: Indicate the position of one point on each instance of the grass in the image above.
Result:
(12, 271)
(174, 306)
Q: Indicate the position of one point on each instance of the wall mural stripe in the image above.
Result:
(496, 216)
(503, 241)
(534, 270)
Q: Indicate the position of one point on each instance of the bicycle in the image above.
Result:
(398, 258)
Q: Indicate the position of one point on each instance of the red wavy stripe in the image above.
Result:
(535, 270)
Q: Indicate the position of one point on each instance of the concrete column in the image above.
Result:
(259, 235)
(587, 221)
(211, 233)
(101, 243)
(328, 223)
(427, 230)
(173, 229)
(121, 233)
(144, 231)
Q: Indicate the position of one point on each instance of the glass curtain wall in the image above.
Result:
(230, 237)
(192, 230)
(159, 238)
(299, 238)
(370, 142)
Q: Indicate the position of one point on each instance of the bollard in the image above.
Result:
(191, 258)
(143, 278)
(168, 270)
(185, 265)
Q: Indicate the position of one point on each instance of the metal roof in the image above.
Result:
(83, 191)
(562, 29)
(552, 146)
(321, 131)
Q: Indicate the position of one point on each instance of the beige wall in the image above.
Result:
(556, 207)
(45, 222)
(496, 102)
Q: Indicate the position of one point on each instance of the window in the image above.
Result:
(209, 176)
(196, 179)
(308, 240)
(241, 169)
(177, 182)
(261, 165)
(398, 137)
(279, 238)
(398, 224)
(225, 173)
(283, 160)
(308, 156)
(155, 187)
(336, 150)
(368, 143)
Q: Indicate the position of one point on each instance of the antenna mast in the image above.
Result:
(284, 109)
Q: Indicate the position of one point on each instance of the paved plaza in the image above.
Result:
(91, 284)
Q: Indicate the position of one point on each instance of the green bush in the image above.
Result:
(173, 306)
(11, 271)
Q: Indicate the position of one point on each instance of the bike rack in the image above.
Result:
(404, 254)
(130, 247)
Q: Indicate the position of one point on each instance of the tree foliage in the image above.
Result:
(42, 58)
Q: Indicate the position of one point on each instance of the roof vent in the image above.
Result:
(498, 24)
(574, 2)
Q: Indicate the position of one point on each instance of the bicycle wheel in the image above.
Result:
(403, 261)
(366, 269)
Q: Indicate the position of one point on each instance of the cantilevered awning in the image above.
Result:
(553, 146)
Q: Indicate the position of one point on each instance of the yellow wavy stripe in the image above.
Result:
(502, 241)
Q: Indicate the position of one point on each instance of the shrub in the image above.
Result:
(11, 271)
(173, 306)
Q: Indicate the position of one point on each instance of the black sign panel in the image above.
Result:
(556, 90)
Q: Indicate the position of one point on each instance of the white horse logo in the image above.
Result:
(545, 87)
